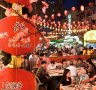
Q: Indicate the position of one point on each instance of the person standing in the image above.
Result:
(73, 71)
(43, 75)
(66, 79)
(33, 60)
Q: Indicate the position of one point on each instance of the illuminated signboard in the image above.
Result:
(90, 36)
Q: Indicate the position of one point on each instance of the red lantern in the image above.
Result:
(52, 16)
(73, 9)
(47, 42)
(91, 4)
(93, 26)
(82, 8)
(87, 22)
(58, 22)
(46, 16)
(65, 12)
(73, 22)
(19, 38)
(16, 80)
(55, 25)
(78, 22)
(58, 14)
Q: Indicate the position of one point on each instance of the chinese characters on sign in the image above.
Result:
(21, 37)
(12, 86)
(3, 35)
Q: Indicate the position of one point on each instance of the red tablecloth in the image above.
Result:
(71, 57)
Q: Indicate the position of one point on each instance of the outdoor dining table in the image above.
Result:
(55, 75)
(55, 72)
(78, 87)
(67, 88)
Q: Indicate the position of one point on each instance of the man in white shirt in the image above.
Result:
(73, 71)
(51, 66)
(30, 56)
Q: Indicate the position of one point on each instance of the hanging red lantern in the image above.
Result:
(87, 22)
(73, 22)
(52, 23)
(58, 22)
(55, 25)
(46, 16)
(82, 8)
(65, 12)
(93, 26)
(78, 22)
(58, 14)
(52, 16)
(90, 4)
(73, 9)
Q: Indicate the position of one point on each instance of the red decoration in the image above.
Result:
(47, 42)
(73, 8)
(91, 4)
(22, 2)
(58, 14)
(14, 79)
(65, 12)
(17, 36)
(46, 16)
(52, 16)
(55, 25)
(73, 22)
(93, 26)
(82, 8)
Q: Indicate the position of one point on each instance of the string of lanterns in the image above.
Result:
(58, 28)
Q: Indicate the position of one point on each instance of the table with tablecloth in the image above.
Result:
(79, 87)
(70, 57)
(56, 72)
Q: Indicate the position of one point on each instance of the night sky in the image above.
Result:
(67, 4)
(56, 6)
(70, 3)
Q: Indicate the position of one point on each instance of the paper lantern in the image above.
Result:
(46, 16)
(52, 16)
(58, 14)
(73, 22)
(18, 36)
(82, 8)
(65, 12)
(90, 4)
(73, 8)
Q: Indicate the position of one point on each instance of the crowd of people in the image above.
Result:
(71, 50)
(76, 72)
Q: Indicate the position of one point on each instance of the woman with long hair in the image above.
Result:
(66, 79)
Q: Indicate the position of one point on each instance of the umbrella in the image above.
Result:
(15, 79)
(22, 2)
(17, 36)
